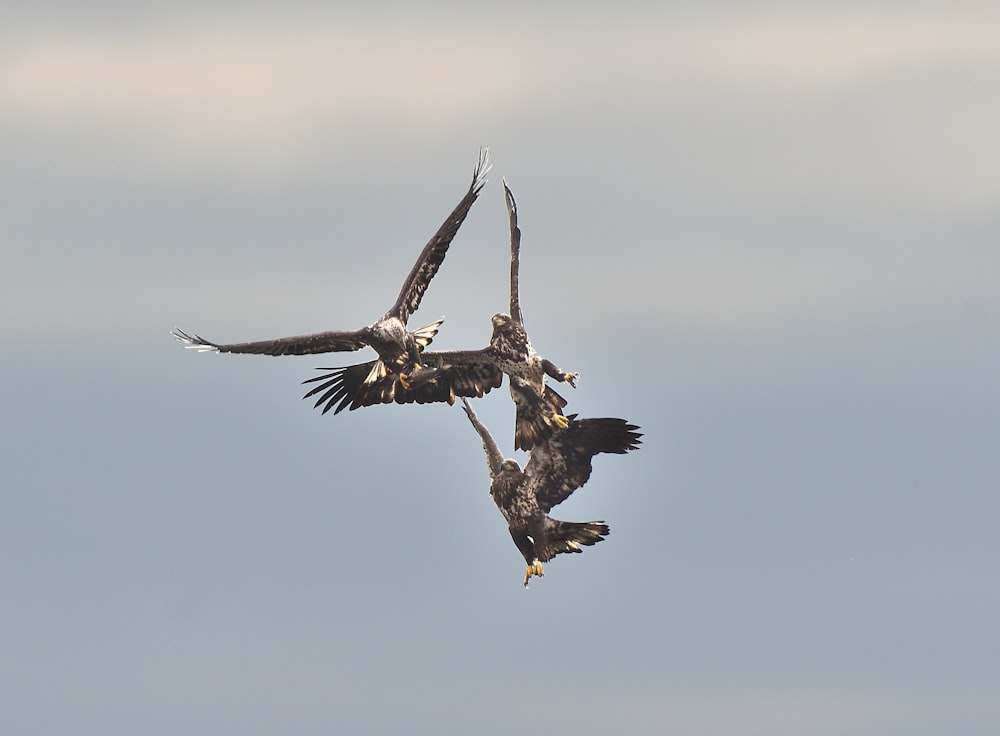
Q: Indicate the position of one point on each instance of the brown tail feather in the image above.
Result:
(534, 416)
(567, 536)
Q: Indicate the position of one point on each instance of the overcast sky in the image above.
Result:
(767, 232)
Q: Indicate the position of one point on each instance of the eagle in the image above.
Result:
(448, 374)
(557, 466)
(398, 349)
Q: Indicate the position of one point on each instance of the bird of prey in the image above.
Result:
(398, 349)
(558, 465)
(448, 374)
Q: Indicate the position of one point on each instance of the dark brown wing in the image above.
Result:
(433, 254)
(562, 462)
(334, 341)
(494, 458)
(515, 255)
(447, 374)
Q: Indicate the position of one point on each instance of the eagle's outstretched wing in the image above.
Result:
(562, 462)
(494, 458)
(515, 255)
(433, 254)
(333, 341)
(447, 375)
(396, 347)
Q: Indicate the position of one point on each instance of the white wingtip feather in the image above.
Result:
(193, 342)
(483, 167)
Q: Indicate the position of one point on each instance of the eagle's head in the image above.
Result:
(395, 346)
(509, 338)
(509, 465)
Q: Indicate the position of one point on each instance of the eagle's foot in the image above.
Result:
(404, 380)
(570, 378)
(560, 421)
(421, 376)
(535, 568)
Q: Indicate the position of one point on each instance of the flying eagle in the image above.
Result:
(398, 349)
(448, 374)
(559, 464)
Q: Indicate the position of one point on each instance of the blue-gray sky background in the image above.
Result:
(766, 232)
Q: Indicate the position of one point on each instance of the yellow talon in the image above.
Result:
(405, 380)
(561, 421)
(534, 568)
(570, 378)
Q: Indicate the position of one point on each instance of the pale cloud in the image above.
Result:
(247, 88)
(266, 90)
(793, 52)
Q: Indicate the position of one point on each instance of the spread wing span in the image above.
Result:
(398, 349)
(431, 257)
(447, 374)
(333, 341)
(562, 463)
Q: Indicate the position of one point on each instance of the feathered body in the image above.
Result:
(539, 408)
(558, 465)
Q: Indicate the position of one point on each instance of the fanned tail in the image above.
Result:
(426, 334)
(537, 417)
(568, 536)
(607, 434)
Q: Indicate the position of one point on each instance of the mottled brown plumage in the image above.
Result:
(558, 465)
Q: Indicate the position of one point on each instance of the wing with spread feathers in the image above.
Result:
(433, 254)
(333, 341)
(494, 458)
(562, 462)
(446, 375)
